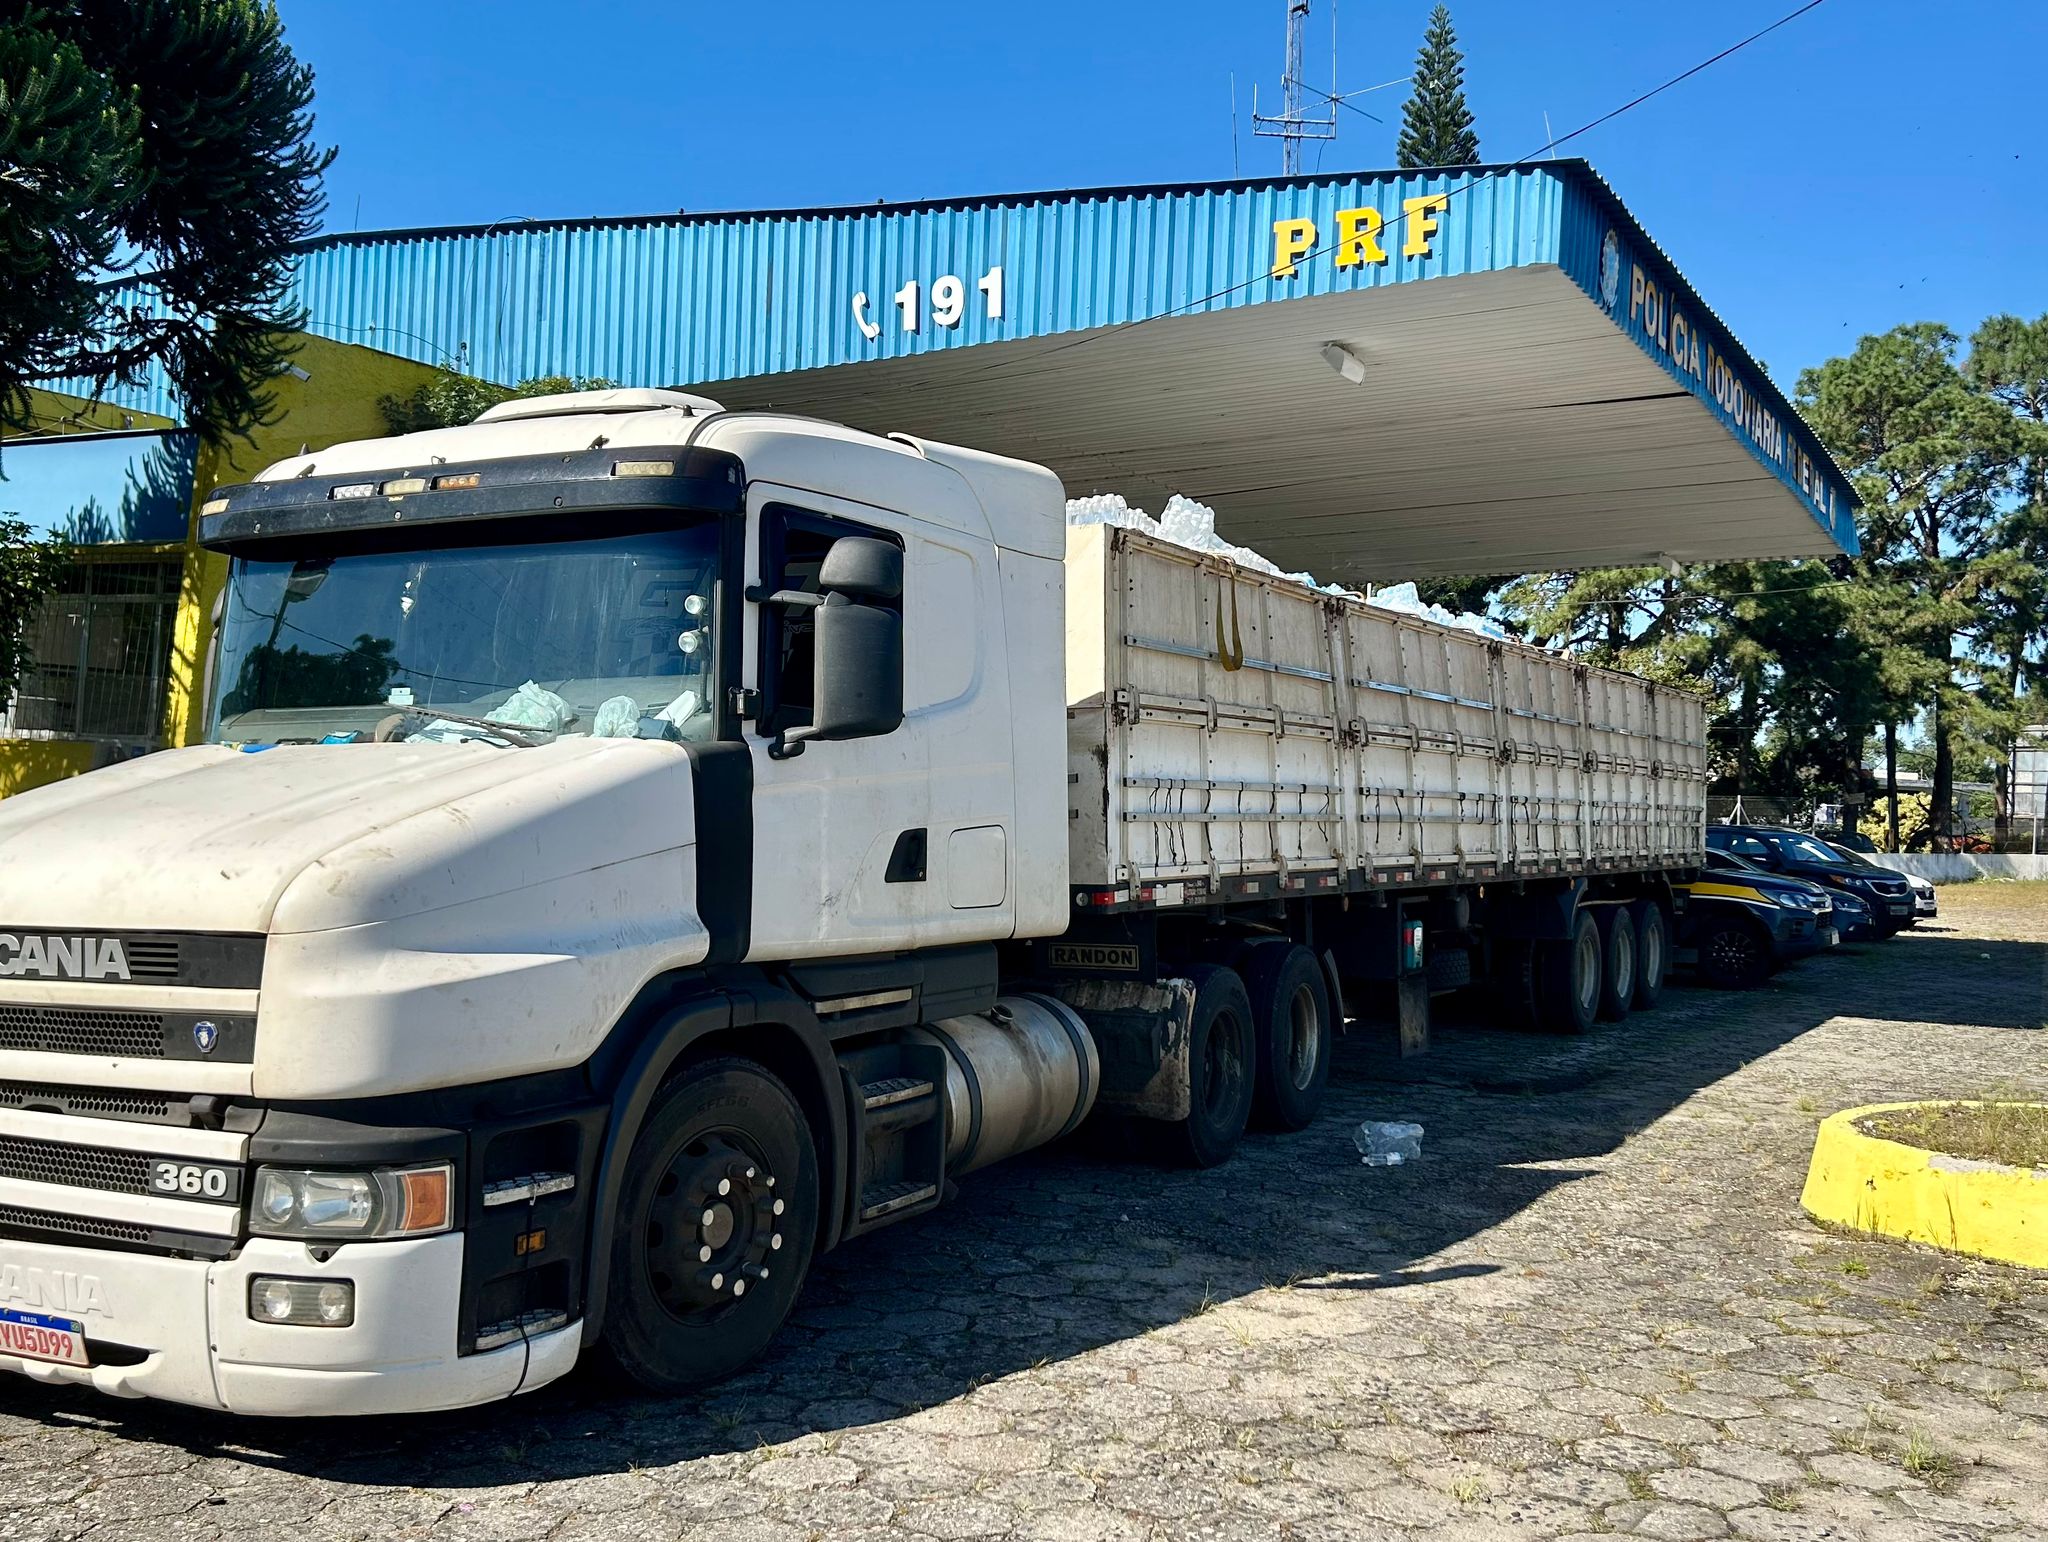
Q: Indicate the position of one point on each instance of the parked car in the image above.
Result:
(1739, 924)
(1855, 841)
(1853, 917)
(1795, 854)
(1925, 906)
(1828, 929)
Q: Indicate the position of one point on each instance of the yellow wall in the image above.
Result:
(338, 401)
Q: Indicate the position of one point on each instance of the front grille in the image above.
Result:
(95, 1102)
(82, 1031)
(155, 960)
(80, 1167)
(13, 1218)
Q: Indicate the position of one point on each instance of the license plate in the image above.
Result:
(42, 1338)
(1829, 936)
(1900, 907)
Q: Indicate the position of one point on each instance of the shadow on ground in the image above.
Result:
(1067, 1250)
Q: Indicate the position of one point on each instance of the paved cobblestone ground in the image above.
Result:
(1594, 1308)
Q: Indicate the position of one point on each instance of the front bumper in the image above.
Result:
(179, 1329)
(1794, 933)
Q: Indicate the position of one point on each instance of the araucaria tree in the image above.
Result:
(164, 138)
(1436, 125)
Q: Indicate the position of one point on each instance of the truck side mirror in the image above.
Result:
(862, 568)
(857, 646)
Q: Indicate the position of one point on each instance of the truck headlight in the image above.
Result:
(390, 1202)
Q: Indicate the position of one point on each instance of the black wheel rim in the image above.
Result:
(1222, 1066)
(712, 1230)
(1734, 952)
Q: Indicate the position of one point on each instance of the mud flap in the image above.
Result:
(1141, 1033)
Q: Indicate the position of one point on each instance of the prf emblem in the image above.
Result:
(1357, 238)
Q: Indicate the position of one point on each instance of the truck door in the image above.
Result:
(899, 840)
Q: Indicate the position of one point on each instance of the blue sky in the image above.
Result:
(1876, 161)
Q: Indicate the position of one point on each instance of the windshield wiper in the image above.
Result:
(512, 733)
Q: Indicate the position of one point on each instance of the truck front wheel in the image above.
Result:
(715, 1226)
(1291, 1012)
(1220, 1050)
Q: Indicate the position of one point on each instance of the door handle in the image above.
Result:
(907, 860)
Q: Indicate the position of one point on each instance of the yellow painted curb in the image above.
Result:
(1870, 1184)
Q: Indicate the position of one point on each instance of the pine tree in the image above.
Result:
(168, 139)
(1436, 125)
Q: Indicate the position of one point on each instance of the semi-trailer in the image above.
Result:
(640, 846)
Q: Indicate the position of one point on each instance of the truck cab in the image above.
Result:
(595, 797)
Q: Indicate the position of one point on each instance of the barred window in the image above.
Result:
(101, 648)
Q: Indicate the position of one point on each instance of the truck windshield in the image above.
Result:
(511, 645)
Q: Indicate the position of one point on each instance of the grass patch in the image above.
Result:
(1639, 1487)
(1781, 1498)
(2010, 1132)
(1934, 1467)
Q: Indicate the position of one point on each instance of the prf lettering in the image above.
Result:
(1357, 238)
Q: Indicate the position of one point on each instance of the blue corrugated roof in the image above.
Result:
(685, 297)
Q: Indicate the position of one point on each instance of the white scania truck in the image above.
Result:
(641, 846)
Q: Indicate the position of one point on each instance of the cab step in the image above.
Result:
(888, 1198)
(891, 1090)
(897, 1124)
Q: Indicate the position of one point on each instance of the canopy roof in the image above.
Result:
(1520, 379)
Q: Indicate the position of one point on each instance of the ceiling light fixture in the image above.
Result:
(1345, 362)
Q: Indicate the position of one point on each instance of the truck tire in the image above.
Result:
(1734, 954)
(715, 1226)
(1617, 962)
(1569, 978)
(1221, 1044)
(1653, 953)
(1292, 1020)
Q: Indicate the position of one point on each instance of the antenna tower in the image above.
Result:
(1292, 126)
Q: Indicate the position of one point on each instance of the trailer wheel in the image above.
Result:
(1618, 962)
(715, 1226)
(1291, 1015)
(1569, 978)
(1220, 1059)
(1734, 954)
(1653, 953)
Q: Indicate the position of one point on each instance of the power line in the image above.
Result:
(1733, 48)
(1396, 223)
